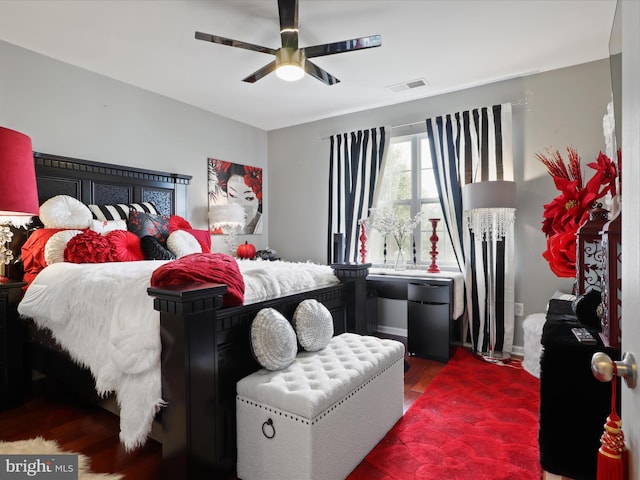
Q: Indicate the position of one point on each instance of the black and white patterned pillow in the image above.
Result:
(120, 211)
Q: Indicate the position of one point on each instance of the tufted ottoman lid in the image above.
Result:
(316, 380)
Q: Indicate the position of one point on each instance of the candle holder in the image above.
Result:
(363, 243)
(433, 268)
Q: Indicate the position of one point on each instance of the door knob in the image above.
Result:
(603, 368)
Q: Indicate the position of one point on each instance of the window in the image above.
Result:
(408, 186)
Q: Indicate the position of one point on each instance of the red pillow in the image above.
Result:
(176, 222)
(88, 247)
(33, 250)
(125, 246)
(202, 236)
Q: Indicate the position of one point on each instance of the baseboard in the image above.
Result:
(398, 332)
(402, 332)
(517, 350)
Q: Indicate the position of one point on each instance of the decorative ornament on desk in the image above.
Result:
(433, 268)
(387, 223)
(569, 210)
(363, 240)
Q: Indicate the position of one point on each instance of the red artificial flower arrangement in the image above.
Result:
(569, 210)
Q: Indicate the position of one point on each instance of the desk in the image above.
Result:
(434, 302)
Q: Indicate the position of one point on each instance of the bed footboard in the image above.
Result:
(206, 350)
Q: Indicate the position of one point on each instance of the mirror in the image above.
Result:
(615, 61)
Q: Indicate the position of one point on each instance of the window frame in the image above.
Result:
(418, 141)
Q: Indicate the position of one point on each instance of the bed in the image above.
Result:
(205, 347)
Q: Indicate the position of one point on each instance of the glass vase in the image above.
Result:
(400, 263)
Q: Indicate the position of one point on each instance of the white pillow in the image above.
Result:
(313, 324)
(54, 248)
(182, 243)
(273, 340)
(63, 211)
(106, 226)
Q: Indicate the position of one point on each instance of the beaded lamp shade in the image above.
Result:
(490, 208)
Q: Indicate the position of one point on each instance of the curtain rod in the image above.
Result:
(517, 103)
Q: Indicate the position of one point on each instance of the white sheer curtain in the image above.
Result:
(466, 147)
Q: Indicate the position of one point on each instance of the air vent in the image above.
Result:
(401, 87)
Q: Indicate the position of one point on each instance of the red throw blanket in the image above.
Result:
(203, 267)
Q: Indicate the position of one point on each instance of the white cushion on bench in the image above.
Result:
(315, 380)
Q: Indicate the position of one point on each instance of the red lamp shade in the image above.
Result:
(18, 189)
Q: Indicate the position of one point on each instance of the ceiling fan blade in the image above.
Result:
(317, 72)
(343, 46)
(263, 72)
(234, 43)
(288, 11)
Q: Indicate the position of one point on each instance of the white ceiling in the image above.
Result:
(451, 44)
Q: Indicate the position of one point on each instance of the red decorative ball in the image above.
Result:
(247, 250)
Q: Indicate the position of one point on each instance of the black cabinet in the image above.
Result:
(429, 311)
(11, 362)
(429, 319)
(573, 404)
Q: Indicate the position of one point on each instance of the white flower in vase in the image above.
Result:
(387, 223)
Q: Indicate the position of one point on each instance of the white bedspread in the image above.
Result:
(102, 314)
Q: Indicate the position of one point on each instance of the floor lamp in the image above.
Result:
(489, 212)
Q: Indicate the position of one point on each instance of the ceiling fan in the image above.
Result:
(292, 62)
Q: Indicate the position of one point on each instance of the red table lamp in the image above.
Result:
(18, 189)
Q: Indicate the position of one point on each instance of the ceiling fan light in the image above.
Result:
(290, 64)
(290, 73)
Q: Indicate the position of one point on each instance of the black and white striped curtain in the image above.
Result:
(466, 147)
(355, 162)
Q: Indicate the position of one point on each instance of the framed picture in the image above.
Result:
(235, 197)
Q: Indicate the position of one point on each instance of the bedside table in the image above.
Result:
(11, 339)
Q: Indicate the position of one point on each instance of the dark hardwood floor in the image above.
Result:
(85, 428)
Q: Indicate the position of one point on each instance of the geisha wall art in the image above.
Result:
(235, 198)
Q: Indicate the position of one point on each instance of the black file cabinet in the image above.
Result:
(11, 364)
(429, 319)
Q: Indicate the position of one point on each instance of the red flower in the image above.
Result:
(561, 254)
(605, 175)
(253, 179)
(221, 167)
(568, 211)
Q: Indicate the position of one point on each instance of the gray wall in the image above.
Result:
(73, 112)
(555, 109)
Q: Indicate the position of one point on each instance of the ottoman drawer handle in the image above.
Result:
(268, 430)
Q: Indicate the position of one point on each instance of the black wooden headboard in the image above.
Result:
(103, 183)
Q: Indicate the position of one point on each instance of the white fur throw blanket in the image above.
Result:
(102, 315)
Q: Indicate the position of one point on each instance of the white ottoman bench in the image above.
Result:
(318, 418)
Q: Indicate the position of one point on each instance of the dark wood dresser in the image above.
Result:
(11, 360)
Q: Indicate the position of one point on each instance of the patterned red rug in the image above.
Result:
(475, 421)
